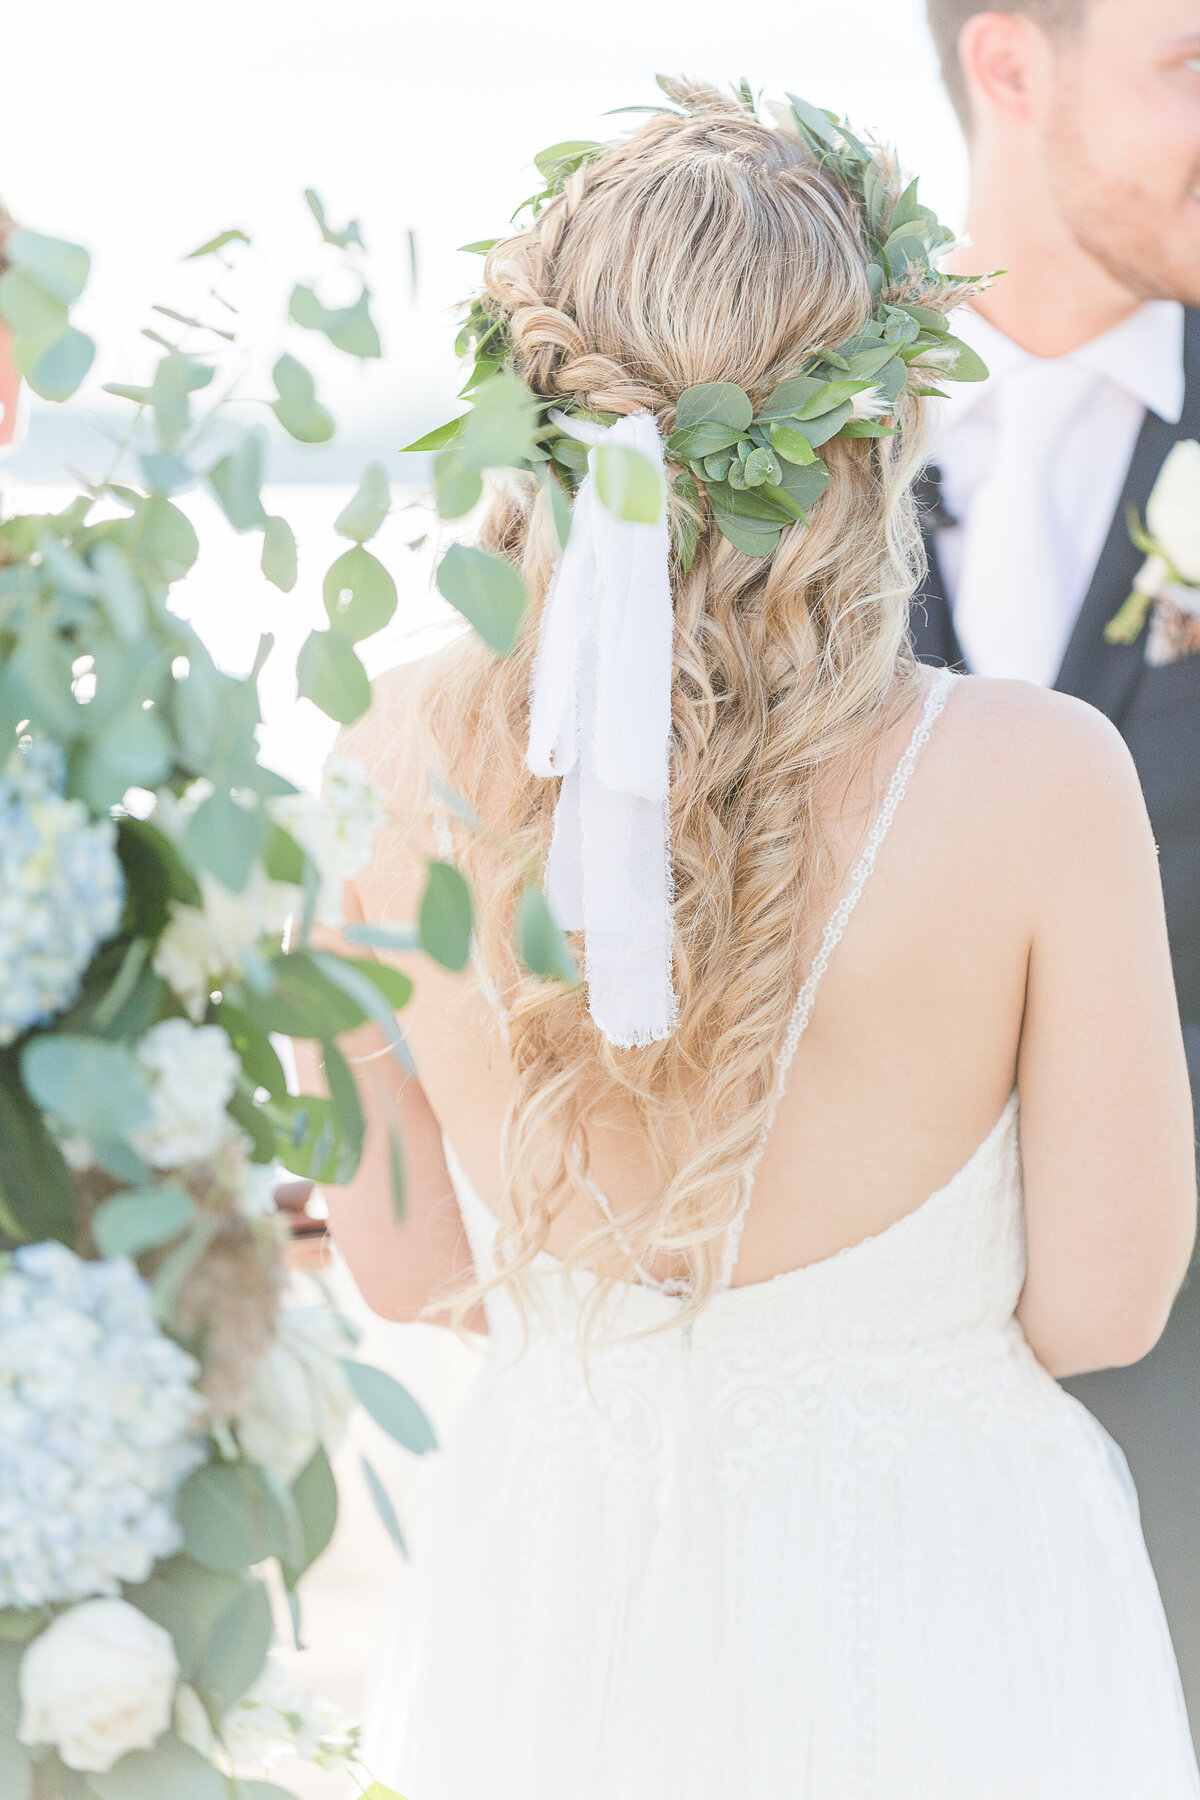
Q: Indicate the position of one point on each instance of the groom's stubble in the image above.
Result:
(1114, 86)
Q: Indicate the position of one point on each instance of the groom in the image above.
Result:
(1083, 123)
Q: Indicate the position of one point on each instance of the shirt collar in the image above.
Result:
(1143, 355)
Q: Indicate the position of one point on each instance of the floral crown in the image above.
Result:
(760, 471)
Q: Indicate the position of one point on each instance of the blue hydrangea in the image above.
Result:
(61, 890)
(101, 1418)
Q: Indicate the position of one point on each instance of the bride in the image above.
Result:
(871, 1119)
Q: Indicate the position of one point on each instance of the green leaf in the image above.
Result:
(968, 365)
(297, 407)
(16, 1774)
(330, 675)
(719, 402)
(279, 554)
(362, 516)
(500, 428)
(831, 396)
(315, 1494)
(127, 1224)
(487, 590)
(91, 1086)
(360, 595)
(236, 480)
(480, 247)
(226, 839)
(166, 474)
(699, 441)
(171, 1768)
(134, 751)
(628, 483)
(169, 398)
(309, 1142)
(253, 1045)
(302, 1002)
(762, 466)
(19, 1624)
(814, 121)
(163, 539)
(391, 1406)
(237, 1649)
(789, 399)
(393, 984)
(446, 916)
(228, 1519)
(217, 243)
(351, 235)
(186, 1600)
(32, 313)
(61, 268)
(57, 371)
(564, 159)
(377, 1791)
(36, 1186)
(439, 438)
(383, 1506)
(752, 537)
(348, 328)
(261, 1790)
(543, 947)
(792, 444)
(456, 489)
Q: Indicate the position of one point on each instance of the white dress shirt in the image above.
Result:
(1089, 408)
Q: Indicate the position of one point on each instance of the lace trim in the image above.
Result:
(935, 700)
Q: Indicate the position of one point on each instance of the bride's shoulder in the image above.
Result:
(1045, 757)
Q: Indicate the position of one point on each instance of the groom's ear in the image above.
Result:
(1005, 58)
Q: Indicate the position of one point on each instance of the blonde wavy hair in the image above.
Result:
(705, 247)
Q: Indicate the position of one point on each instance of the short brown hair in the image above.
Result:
(947, 18)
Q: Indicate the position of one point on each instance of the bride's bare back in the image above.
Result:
(1013, 931)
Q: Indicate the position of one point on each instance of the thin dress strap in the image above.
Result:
(935, 700)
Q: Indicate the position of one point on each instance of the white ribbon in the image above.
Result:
(600, 718)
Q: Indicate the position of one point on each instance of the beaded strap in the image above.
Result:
(935, 700)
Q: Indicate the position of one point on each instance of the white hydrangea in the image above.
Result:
(334, 830)
(61, 890)
(192, 1071)
(277, 1719)
(202, 946)
(100, 1416)
(299, 1395)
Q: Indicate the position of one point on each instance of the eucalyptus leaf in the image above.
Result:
(297, 407)
(348, 328)
(128, 1224)
(172, 1768)
(162, 538)
(391, 1406)
(968, 364)
(279, 563)
(789, 399)
(91, 1086)
(237, 1648)
(791, 444)
(362, 516)
(360, 595)
(225, 837)
(32, 313)
(341, 239)
(226, 1522)
(236, 480)
(543, 947)
(487, 590)
(628, 483)
(752, 537)
(16, 1774)
(457, 489)
(60, 268)
(36, 1187)
(169, 398)
(57, 371)
(446, 916)
(330, 675)
(382, 1501)
(719, 402)
(315, 1495)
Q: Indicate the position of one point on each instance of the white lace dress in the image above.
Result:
(843, 1539)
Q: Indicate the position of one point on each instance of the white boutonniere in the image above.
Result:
(1167, 586)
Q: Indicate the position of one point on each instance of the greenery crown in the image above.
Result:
(760, 471)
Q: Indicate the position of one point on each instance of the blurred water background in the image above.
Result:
(142, 128)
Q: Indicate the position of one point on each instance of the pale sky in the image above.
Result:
(141, 127)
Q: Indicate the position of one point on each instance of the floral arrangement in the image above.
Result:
(1166, 589)
(759, 472)
(168, 1419)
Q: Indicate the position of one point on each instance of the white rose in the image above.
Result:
(97, 1683)
(298, 1396)
(203, 945)
(335, 829)
(1173, 513)
(192, 1071)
